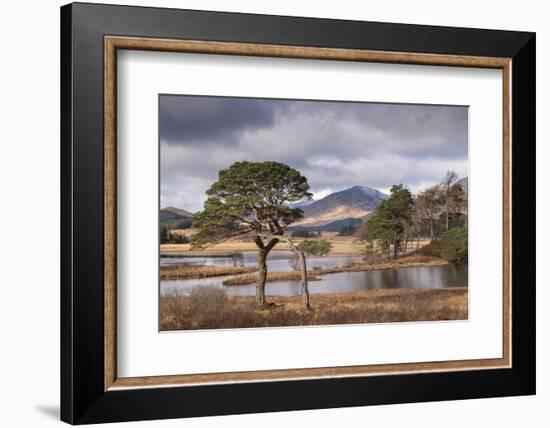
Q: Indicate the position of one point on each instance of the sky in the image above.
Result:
(335, 144)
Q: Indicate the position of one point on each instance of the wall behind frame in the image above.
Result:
(29, 225)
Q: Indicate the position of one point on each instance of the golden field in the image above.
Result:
(210, 308)
(340, 245)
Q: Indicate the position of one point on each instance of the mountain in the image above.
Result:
(353, 203)
(175, 218)
(462, 182)
(302, 204)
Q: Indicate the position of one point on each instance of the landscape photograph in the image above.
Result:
(288, 212)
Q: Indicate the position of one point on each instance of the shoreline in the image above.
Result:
(248, 275)
(176, 272)
(231, 253)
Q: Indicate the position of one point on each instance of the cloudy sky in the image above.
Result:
(336, 145)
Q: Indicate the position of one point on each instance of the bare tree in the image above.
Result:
(458, 202)
(319, 247)
(445, 188)
(427, 204)
(417, 220)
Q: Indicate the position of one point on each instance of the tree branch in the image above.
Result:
(259, 242)
(271, 244)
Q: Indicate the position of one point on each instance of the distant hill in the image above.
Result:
(353, 203)
(178, 211)
(175, 218)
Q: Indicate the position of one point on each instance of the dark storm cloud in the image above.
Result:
(184, 118)
(335, 144)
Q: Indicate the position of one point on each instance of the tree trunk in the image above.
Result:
(431, 229)
(263, 251)
(262, 277)
(305, 288)
(395, 249)
(303, 274)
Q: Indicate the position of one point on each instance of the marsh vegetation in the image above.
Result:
(208, 307)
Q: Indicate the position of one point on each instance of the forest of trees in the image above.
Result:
(305, 233)
(439, 213)
(348, 230)
(168, 237)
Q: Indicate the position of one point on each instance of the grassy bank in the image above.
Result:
(406, 261)
(201, 271)
(252, 278)
(211, 308)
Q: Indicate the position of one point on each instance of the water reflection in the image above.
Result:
(411, 277)
(277, 261)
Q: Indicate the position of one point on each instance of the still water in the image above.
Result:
(410, 277)
(277, 261)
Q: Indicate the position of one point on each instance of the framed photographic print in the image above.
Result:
(265, 213)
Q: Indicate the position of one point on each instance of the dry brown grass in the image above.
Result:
(406, 261)
(201, 271)
(251, 278)
(419, 259)
(210, 308)
(340, 245)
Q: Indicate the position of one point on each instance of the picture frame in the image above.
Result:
(91, 35)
